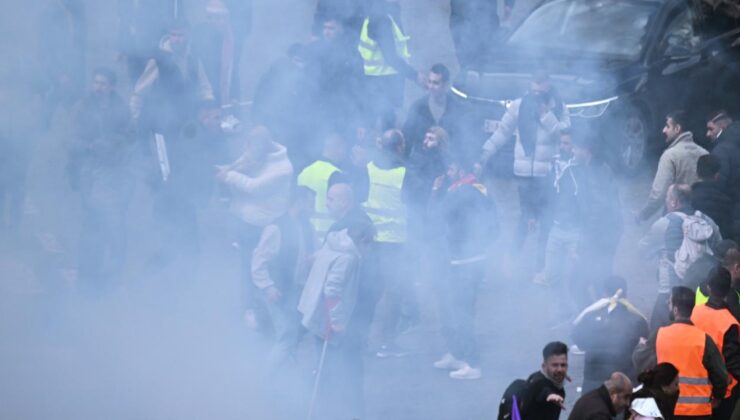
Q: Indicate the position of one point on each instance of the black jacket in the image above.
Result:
(711, 199)
(608, 339)
(595, 405)
(539, 388)
(727, 150)
(420, 119)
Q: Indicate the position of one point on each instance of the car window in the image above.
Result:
(680, 36)
(614, 27)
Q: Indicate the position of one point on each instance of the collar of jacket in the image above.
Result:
(716, 304)
(686, 136)
(604, 393)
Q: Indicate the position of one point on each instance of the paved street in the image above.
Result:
(160, 349)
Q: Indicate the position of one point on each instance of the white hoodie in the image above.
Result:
(261, 193)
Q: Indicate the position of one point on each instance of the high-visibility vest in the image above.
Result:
(715, 322)
(702, 299)
(384, 205)
(316, 177)
(374, 63)
(683, 346)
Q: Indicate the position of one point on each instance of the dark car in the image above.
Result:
(619, 65)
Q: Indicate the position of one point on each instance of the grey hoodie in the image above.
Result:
(330, 294)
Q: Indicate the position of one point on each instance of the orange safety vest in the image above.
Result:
(683, 346)
(715, 322)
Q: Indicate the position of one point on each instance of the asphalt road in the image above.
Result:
(177, 349)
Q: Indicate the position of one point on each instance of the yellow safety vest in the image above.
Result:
(316, 177)
(384, 205)
(374, 63)
(702, 299)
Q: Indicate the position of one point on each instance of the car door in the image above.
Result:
(676, 68)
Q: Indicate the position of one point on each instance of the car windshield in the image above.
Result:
(613, 27)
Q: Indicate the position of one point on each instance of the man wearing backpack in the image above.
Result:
(542, 396)
(666, 240)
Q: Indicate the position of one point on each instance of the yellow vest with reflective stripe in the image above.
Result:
(384, 205)
(374, 63)
(702, 299)
(316, 177)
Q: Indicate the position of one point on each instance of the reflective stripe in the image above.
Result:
(693, 381)
(468, 260)
(694, 400)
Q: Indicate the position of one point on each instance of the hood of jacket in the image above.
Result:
(340, 241)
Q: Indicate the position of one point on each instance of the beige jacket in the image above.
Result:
(677, 165)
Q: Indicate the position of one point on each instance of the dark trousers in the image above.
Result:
(458, 293)
(727, 406)
(399, 301)
(341, 391)
(533, 193)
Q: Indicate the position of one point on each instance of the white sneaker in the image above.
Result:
(449, 362)
(466, 372)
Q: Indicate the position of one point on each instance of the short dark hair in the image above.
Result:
(441, 70)
(680, 118)
(683, 299)
(106, 72)
(612, 284)
(719, 115)
(732, 257)
(391, 140)
(555, 348)
(707, 167)
(719, 281)
(663, 374)
(724, 247)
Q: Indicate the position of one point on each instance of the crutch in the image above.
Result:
(318, 378)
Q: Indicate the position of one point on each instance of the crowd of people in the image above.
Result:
(342, 206)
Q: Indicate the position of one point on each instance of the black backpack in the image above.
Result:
(519, 388)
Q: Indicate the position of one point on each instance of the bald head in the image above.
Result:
(620, 390)
(340, 199)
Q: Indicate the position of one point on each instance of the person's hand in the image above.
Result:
(643, 341)
(556, 399)
(438, 181)
(273, 294)
(359, 156)
(477, 169)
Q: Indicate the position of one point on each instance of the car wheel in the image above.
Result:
(630, 137)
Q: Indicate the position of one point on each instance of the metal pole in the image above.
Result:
(318, 379)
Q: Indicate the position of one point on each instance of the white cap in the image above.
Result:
(646, 407)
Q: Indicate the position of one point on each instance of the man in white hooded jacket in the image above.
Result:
(327, 305)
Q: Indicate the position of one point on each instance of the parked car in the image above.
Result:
(619, 65)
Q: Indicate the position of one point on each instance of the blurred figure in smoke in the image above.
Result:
(698, 272)
(535, 121)
(707, 195)
(166, 101)
(285, 103)
(260, 181)
(437, 108)
(62, 48)
(279, 268)
(727, 151)
(663, 240)
(328, 304)
(99, 167)
(677, 164)
(218, 45)
(586, 226)
(474, 25)
(608, 331)
(337, 64)
(140, 28)
(385, 53)
(387, 208)
(469, 218)
(347, 13)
